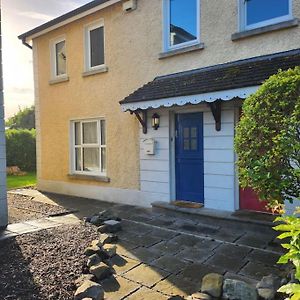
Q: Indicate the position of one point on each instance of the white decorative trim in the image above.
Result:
(113, 195)
(242, 93)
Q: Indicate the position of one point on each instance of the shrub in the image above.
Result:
(20, 148)
(268, 139)
(291, 230)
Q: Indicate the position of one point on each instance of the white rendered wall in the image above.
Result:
(3, 198)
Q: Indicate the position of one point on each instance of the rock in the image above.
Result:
(108, 238)
(111, 250)
(91, 250)
(113, 226)
(103, 229)
(91, 290)
(175, 298)
(96, 220)
(212, 284)
(93, 260)
(199, 296)
(101, 271)
(96, 243)
(236, 289)
(79, 281)
(268, 286)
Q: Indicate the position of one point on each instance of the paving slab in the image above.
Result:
(170, 264)
(166, 235)
(65, 220)
(122, 264)
(146, 294)
(264, 257)
(176, 285)
(258, 271)
(254, 240)
(235, 276)
(117, 288)
(186, 240)
(233, 250)
(193, 254)
(145, 275)
(43, 223)
(21, 228)
(168, 247)
(6, 234)
(207, 245)
(146, 255)
(229, 263)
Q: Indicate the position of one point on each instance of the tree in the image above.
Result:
(268, 139)
(23, 119)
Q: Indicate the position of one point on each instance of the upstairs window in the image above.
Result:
(59, 58)
(89, 147)
(182, 23)
(94, 54)
(259, 13)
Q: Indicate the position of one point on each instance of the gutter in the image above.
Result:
(26, 44)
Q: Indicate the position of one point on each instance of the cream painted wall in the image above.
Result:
(133, 42)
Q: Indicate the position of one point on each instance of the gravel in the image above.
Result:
(44, 265)
(24, 208)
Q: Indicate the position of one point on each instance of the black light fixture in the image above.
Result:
(155, 121)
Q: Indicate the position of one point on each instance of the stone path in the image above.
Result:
(163, 253)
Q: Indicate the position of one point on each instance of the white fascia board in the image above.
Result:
(72, 19)
(226, 95)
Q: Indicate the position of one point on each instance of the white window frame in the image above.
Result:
(243, 17)
(81, 146)
(166, 28)
(53, 57)
(87, 45)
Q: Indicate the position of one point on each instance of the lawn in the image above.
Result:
(21, 181)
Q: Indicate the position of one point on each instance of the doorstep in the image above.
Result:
(239, 216)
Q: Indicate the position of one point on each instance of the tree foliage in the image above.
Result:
(23, 119)
(20, 148)
(268, 139)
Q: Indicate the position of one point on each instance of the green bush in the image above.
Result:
(291, 230)
(20, 148)
(268, 139)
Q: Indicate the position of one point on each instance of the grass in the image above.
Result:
(14, 182)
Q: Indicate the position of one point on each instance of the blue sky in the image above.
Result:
(18, 16)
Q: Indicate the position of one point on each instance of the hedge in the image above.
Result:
(20, 148)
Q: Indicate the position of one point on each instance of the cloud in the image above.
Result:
(36, 15)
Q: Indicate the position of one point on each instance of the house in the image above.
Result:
(137, 101)
(3, 197)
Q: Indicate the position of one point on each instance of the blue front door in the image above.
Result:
(189, 157)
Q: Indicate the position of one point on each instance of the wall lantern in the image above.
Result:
(155, 121)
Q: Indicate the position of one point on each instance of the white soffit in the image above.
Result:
(242, 93)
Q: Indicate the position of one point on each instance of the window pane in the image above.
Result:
(103, 137)
(60, 52)
(103, 159)
(186, 144)
(262, 10)
(183, 18)
(91, 159)
(90, 133)
(194, 144)
(77, 133)
(77, 159)
(97, 47)
(194, 132)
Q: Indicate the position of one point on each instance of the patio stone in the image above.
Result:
(239, 277)
(257, 271)
(163, 234)
(42, 223)
(146, 294)
(168, 247)
(254, 240)
(118, 288)
(229, 263)
(66, 220)
(21, 228)
(146, 255)
(196, 272)
(146, 275)
(140, 241)
(170, 263)
(6, 234)
(233, 250)
(123, 264)
(208, 245)
(177, 285)
(186, 240)
(264, 257)
(194, 254)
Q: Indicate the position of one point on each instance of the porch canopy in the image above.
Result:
(227, 81)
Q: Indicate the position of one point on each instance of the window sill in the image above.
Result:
(89, 177)
(103, 69)
(187, 49)
(59, 80)
(269, 28)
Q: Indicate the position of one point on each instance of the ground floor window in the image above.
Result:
(89, 147)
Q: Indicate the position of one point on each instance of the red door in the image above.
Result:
(250, 201)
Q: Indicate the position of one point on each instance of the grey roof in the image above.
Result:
(232, 75)
(62, 18)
